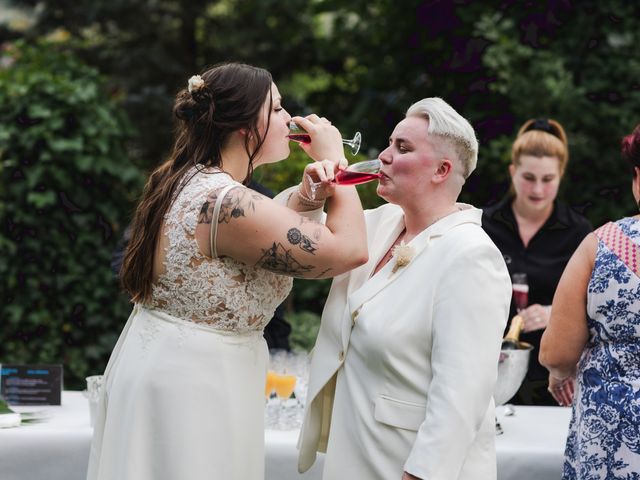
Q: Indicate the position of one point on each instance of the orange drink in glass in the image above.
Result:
(270, 383)
(284, 385)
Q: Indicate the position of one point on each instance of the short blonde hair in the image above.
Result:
(541, 138)
(451, 127)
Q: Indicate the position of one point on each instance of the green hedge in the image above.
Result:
(67, 186)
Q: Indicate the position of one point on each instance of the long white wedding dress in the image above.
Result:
(184, 387)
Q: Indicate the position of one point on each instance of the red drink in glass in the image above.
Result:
(297, 134)
(521, 296)
(346, 177)
(300, 137)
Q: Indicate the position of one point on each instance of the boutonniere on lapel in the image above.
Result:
(402, 254)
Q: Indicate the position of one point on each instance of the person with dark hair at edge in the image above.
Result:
(208, 262)
(276, 332)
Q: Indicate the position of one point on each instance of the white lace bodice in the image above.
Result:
(221, 292)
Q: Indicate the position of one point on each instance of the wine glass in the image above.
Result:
(298, 134)
(281, 378)
(355, 174)
(284, 386)
(269, 386)
(520, 290)
(277, 358)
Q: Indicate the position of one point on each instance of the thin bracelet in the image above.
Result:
(308, 202)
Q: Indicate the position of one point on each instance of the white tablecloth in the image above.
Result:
(531, 447)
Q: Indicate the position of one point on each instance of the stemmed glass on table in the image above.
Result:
(287, 374)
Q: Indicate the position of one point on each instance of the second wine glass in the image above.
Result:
(355, 174)
(298, 134)
(520, 290)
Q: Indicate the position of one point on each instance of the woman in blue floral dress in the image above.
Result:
(592, 346)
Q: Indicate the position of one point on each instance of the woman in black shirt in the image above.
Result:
(536, 235)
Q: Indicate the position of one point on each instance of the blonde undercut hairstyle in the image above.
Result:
(451, 127)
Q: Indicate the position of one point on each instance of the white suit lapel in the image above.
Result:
(385, 277)
(386, 233)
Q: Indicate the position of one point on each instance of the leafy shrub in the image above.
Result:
(304, 329)
(66, 183)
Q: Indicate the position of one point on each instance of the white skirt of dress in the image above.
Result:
(180, 401)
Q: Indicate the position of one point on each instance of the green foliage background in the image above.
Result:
(359, 63)
(66, 189)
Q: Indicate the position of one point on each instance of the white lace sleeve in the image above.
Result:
(221, 292)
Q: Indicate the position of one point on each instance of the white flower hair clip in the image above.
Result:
(195, 83)
(403, 255)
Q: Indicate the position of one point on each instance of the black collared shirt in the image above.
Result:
(543, 259)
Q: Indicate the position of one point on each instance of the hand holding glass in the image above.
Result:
(355, 174)
(299, 135)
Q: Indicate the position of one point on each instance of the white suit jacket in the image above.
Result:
(404, 367)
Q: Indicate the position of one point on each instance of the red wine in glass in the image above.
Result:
(297, 134)
(346, 177)
(354, 174)
(300, 137)
(521, 296)
(520, 290)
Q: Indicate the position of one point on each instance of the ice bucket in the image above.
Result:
(512, 368)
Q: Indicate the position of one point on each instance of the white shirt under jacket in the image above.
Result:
(404, 367)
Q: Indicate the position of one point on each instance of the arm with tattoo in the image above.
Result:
(233, 205)
(278, 258)
(255, 230)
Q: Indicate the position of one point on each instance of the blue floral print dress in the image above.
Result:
(604, 433)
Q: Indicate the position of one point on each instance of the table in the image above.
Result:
(531, 447)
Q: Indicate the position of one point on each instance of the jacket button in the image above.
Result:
(341, 356)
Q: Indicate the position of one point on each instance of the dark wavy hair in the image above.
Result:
(631, 149)
(230, 99)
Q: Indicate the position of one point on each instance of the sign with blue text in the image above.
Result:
(31, 384)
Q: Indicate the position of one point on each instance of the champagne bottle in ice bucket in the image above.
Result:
(512, 365)
(511, 340)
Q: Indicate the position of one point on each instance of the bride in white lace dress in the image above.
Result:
(208, 262)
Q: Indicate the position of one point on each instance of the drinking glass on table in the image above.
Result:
(298, 134)
(520, 290)
(94, 388)
(281, 379)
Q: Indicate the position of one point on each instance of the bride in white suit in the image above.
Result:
(404, 367)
